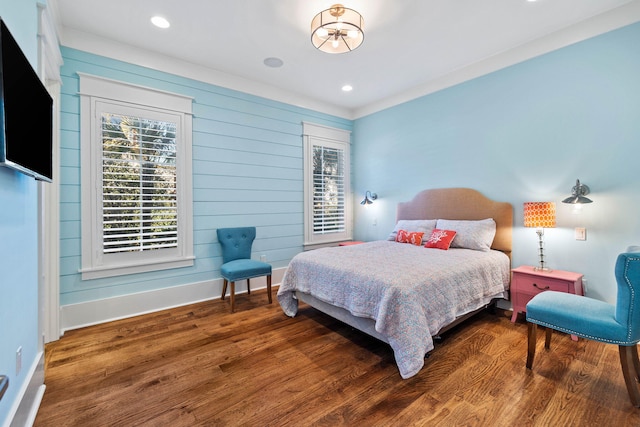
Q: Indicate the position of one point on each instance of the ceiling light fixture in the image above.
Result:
(347, 88)
(337, 30)
(160, 22)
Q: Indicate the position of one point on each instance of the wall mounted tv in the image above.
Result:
(26, 113)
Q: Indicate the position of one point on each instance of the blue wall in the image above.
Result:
(524, 133)
(247, 170)
(18, 238)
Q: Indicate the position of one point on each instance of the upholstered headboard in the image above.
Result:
(461, 203)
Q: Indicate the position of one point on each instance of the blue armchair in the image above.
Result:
(237, 264)
(596, 320)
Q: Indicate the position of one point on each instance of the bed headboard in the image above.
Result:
(461, 203)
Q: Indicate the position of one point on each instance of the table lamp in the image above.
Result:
(540, 215)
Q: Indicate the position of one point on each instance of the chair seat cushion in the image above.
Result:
(241, 269)
(578, 315)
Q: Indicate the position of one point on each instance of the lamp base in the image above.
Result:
(547, 269)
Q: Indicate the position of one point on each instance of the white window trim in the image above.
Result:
(313, 132)
(94, 90)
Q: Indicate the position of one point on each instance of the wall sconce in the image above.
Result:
(577, 194)
(369, 197)
(540, 215)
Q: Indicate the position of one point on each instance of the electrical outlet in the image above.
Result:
(18, 360)
(263, 258)
(581, 233)
(584, 286)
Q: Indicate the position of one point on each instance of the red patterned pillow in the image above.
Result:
(440, 239)
(413, 237)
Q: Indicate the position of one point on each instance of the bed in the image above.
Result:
(405, 294)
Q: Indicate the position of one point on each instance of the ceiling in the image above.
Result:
(411, 47)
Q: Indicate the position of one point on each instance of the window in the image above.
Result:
(136, 184)
(327, 201)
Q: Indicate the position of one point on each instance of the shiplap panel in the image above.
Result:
(250, 120)
(215, 127)
(203, 142)
(246, 207)
(212, 221)
(244, 170)
(69, 230)
(70, 212)
(70, 176)
(71, 247)
(235, 195)
(68, 138)
(247, 170)
(244, 156)
(206, 181)
(68, 122)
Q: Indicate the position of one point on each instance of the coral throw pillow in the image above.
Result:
(440, 239)
(413, 237)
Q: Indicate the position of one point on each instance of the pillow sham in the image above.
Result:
(424, 225)
(477, 235)
(440, 239)
(413, 237)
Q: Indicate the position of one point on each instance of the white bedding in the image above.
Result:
(410, 291)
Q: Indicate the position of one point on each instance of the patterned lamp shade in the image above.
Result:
(540, 214)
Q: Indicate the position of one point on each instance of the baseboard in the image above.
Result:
(25, 408)
(74, 316)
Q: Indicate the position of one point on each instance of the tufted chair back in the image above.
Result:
(627, 273)
(236, 242)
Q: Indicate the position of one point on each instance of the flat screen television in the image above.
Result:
(26, 113)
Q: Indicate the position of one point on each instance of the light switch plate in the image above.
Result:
(581, 233)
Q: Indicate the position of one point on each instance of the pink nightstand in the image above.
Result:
(354, 242)
(527, 282)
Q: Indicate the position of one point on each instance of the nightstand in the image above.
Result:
(349, 243)
(526, 282)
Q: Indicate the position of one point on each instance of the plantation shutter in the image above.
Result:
(328, 190)
(139, 192)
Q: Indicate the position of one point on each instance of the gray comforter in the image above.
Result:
(410, 291)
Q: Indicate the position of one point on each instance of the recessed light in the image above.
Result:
(347, 88)
(273, 62)
(160, 22)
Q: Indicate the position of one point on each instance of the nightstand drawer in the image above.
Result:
(532, 285)
(527, 282)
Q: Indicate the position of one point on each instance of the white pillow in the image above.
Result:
(424, 225)
(476, 235)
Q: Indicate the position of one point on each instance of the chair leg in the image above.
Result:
(224, 289)
(248, 286)
(531, 344)
(547, 338)
(636, 362)
(629, 362)
(232, 291)
(269, 288)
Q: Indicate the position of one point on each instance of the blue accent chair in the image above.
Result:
(237, 264)
(596, 320)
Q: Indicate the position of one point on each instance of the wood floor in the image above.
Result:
(199, 365)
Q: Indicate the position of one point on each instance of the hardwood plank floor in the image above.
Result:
(200, 365)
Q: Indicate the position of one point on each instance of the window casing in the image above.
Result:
(327, 194)
(136, 183)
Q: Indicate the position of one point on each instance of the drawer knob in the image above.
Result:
(542, 289)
